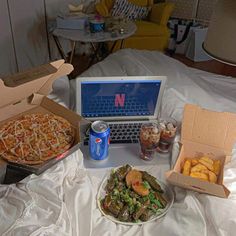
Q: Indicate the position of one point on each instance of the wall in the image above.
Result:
(205, 9)
(7, 56)
(190, 9)
(29, 32)
(23, 37)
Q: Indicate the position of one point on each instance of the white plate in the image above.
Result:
(168, 195)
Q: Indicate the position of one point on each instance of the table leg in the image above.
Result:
(112, 47)
(72, 51)
(59, 47)
(61, 51)
(95, 54)
(96, 50)
(122, 43)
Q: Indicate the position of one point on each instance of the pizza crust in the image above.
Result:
(35, 138)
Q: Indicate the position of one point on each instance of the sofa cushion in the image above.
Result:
(128, 10)
(147, 28)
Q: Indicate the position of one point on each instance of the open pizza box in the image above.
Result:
(204, 133)
(25, 93)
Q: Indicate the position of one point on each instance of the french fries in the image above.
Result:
(194, 162)
(206, 163)
(199, 175)
(187, 167)
(212, 177)
(198, 168)
(216, 167)
(204, 168)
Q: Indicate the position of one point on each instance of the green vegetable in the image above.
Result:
(146, 185)
(131, 209)
(154, 208)
(157, 202)
(144, 199)
(161, 199)
(137, 221)
(153, 199)
(124, 203)
(116, 192)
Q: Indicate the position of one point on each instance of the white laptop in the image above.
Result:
(123, 102)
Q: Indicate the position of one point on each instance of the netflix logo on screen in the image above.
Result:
(120, 100)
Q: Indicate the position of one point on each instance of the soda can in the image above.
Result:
(99, 140)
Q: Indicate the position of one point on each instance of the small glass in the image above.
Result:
(168, 128)
(149, 138)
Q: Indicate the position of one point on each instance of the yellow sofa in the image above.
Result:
(152, 33)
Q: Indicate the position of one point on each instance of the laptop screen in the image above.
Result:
(119, 98)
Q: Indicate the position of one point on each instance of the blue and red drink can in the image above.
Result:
(99, 140)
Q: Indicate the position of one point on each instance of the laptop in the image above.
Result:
(124, 102)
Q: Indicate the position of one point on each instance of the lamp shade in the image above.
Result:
(220, 42)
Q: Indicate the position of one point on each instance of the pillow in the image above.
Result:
(129, 10)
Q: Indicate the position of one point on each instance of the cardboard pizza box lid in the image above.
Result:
(37, 80)
(216, 129)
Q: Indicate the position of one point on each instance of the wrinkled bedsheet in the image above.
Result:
(62, 200)
(61, 91)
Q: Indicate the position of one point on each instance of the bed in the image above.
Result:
(61, 201)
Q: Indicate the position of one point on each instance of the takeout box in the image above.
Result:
(25, 93)
(209, 133)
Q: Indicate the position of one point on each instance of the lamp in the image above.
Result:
(220, 42)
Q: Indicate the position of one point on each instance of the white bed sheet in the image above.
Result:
(61, 201)
(61, 91)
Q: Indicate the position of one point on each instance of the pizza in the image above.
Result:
(35, 138)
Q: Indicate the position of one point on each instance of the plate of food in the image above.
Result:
(131, 196)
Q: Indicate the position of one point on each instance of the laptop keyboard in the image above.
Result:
(104, 105)
(122, 133)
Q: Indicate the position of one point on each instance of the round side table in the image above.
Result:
(123, 31)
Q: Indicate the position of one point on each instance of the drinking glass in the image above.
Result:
(168, 128)
(149, 138)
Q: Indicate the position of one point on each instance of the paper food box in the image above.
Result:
(204, 133)
(26, 93)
